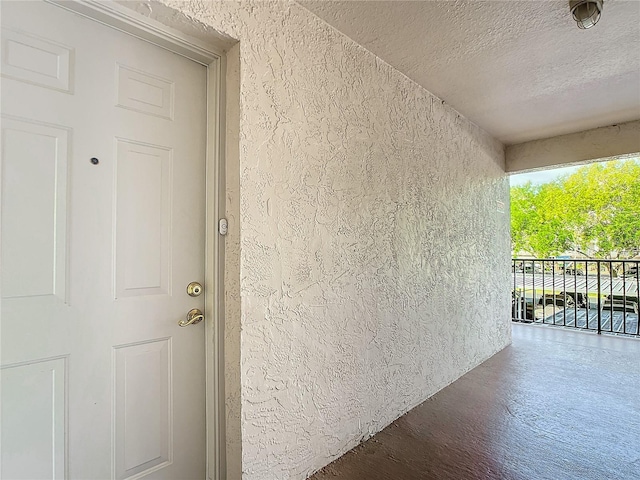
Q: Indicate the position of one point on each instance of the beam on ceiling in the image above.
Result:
(621, 140)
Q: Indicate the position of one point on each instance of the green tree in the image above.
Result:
(523, 216)
(553, 233)
(595, 210)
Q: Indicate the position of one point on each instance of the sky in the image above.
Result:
(538, 178)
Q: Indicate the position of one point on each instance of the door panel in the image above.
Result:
(103, 163)
(143, 218)
(36, 60)
(35, 155)
(38, 400)
(145, 93)
(142, 407)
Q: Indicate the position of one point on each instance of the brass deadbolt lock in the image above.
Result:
(194, 289)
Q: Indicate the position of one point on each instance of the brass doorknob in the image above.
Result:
(194, 316)
(194, 289)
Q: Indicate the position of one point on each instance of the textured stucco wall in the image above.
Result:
(374, 255)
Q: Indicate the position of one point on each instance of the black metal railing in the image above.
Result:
(598, 295)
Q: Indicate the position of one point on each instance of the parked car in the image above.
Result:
(548, 305)
(570, 270)
(618, 303)
(527, 267)
(579, 298)
(631, 271)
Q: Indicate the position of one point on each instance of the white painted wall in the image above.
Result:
(374, 260)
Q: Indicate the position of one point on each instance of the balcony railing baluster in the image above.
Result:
(624, 299)
(611, 297)
(575, 299)
(586, 293)
(541, 296)
(637, 304)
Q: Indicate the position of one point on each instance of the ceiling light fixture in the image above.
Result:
(586, 13)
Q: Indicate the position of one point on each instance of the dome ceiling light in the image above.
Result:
(586, 13)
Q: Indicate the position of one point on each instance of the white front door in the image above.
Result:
(103, 188)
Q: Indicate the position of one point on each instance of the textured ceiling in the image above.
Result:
(521, 70)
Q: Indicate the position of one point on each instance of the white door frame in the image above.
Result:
(129, 21)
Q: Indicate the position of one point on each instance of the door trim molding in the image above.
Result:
(129, 21)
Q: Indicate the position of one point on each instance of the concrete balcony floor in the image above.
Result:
(556, 404)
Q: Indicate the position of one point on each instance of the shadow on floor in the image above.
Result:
(555, 405)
